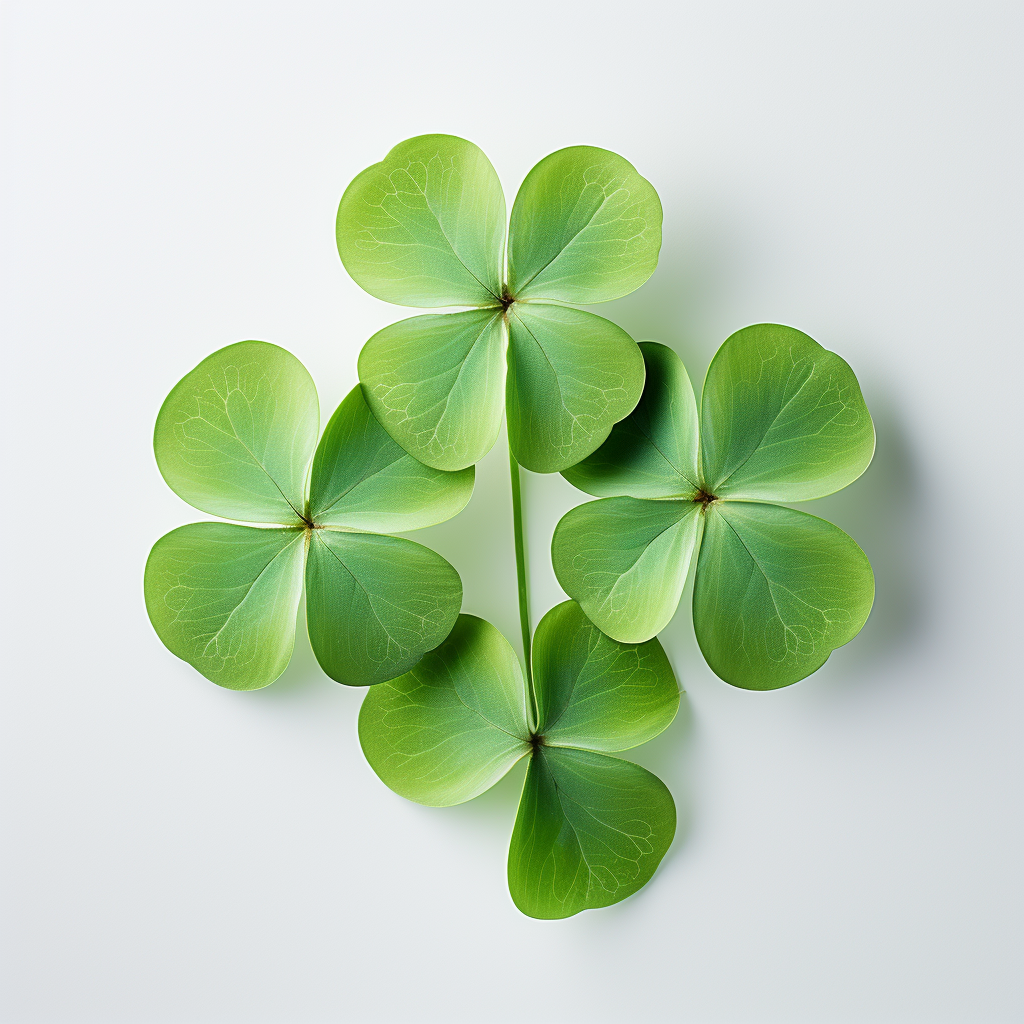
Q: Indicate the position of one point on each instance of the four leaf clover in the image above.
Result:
(591, 828)
(776, 590)
(235, 438)
(426, 227)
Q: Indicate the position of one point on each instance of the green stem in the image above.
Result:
(524, 599)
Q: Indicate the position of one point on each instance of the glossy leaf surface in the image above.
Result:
(437, 384)
(782, 419)
(776, 592)
(652, 453)
(572, 376)
(375, 605)
(224, 598)
(594, 692)
(426, 226)
(585, 227)
(453, 725)
(625, 560)
(362, 480)
(590, 831)
(235, 436)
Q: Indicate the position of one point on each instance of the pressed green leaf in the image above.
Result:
(426, 226)
(776, 592)
(595, 692)
(451, 727)
(362, 480)
(652, 453)
(591, 830)
(782, 419)
(436, 383)
(586, 227)
(224, 599)
(376, 605)
(625, 560)
(235, 436)
(572, 376)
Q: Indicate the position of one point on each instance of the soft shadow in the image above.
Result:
(885, 512)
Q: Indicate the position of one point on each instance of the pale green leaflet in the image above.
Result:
(235, 438)
(426, 227)
(776, 590)
(591, 828)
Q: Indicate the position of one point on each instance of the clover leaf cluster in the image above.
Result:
(591, 828)
(450, 708)
(426, 227)
(235, 438)
(776, 590)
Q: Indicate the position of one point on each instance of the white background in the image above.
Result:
(849, 848)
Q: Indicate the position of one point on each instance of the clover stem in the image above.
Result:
(524, 599)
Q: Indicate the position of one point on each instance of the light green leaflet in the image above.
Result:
(426, 227)
(591, 828)
(235, 437)
(776, 590)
